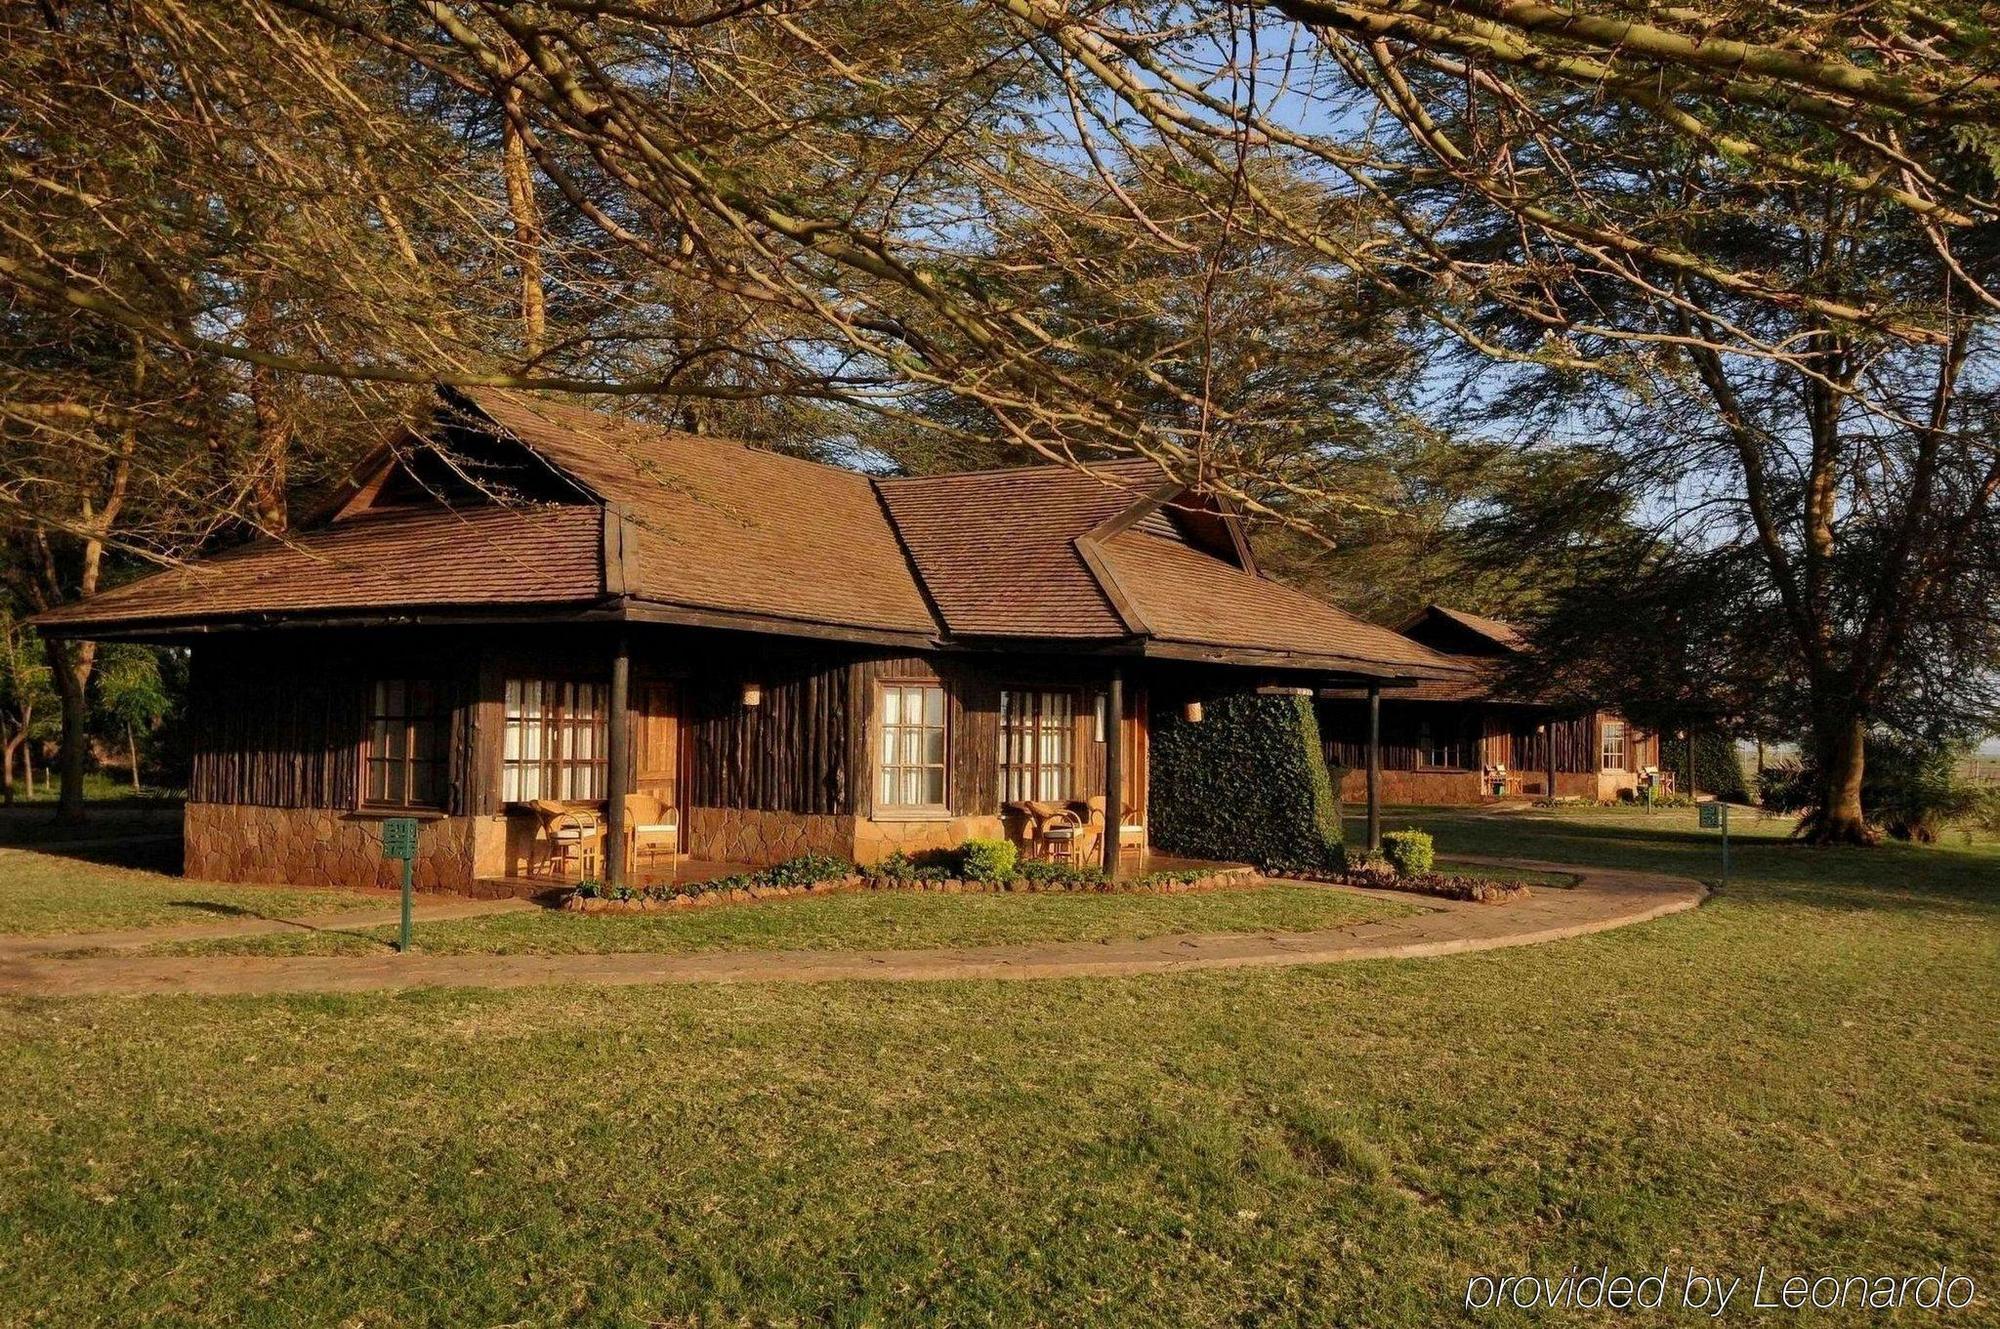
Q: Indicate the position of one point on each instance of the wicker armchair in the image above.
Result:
(569, 839)
(653, 827)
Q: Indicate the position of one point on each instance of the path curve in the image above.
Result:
(1602, 899)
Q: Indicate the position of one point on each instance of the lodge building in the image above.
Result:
(542, 631)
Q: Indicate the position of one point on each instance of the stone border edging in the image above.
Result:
(1220, 879)
(1603, 899)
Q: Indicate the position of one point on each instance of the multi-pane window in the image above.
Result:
(912, 746)
(553, 745)
(405, 762)
(1037, 738)
(1614, 745)
(1439, 747)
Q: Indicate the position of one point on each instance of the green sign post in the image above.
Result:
(1716, 816)
(399, 840)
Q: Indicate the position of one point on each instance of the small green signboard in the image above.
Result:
(399, 840)
(1715, 816)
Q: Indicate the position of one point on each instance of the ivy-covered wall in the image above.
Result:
(1246, 783)
(1718, 770)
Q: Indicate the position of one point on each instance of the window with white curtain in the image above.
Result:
(554, 742)
(1037, 746)
(1614, 745)
(912, 746)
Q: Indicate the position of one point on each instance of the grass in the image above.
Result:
(36, 824)
(98, 787)
(44, 894)
(870, 921)
(1526, 876)
(1803, 1074)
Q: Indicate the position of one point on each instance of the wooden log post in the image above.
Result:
(1374, 768)
(1114, 768)
(617, 774)
(1549, 755)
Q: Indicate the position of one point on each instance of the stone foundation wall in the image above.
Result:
(876, 840)
(318, 847)
(738, 836)
(1416, 787)
(1448, 788)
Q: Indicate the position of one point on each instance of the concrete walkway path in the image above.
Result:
(1601, 900)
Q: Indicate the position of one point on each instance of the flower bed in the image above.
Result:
(1378, 875)
(818, 875)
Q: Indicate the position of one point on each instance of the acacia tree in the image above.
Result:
(26, 697)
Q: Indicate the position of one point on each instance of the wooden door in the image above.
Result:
(657, 752)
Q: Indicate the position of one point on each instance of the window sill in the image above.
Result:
(384, 814)
(911, 814)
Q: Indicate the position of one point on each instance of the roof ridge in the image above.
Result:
(665, 433)
(1083, 468)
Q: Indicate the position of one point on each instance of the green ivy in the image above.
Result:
(1246, 783)
(1718, 768)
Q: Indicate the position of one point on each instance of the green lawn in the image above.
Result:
(1527, 876)
(868, 921)
(42, 894)
(35, 823)
(1804, 1074)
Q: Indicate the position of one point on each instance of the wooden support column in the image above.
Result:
(1550, 754)
(1374, 767)
(618, 761)
(1114, 767)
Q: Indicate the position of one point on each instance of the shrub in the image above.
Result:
(1409, 852)
(1246, 783)
(805, 870)
(1912, 790)
(987, 860)
(1785, 787)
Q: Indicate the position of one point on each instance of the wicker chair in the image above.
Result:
(569, 838)
(1062, 835)
(652, 826)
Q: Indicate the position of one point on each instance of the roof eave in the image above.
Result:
(1390, 673)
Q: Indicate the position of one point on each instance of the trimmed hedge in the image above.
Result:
(1247, 783)
(1411, 853)
(987, 860)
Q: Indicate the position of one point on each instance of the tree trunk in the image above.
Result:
(70, 662)
(7, 790)
(1842, 747)
(28, 767)
(132, 746)
(525, 212)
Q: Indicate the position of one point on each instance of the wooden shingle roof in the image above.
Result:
(997, 548)
(635, 519)
(1187, 597)
(482, 557)
(719, 525)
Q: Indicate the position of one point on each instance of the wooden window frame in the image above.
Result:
(1035, 767)
(1604, 732)
(555, 764)
(409, 721)
(1427, 743)
(887, 756)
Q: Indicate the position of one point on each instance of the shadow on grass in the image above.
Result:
(1889, 877)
